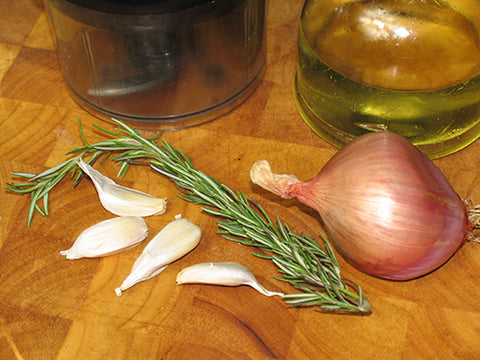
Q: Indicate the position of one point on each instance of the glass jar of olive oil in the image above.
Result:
(407, 66)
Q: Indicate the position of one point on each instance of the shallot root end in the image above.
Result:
(473, 212)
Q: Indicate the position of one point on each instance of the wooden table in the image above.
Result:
(54, 308)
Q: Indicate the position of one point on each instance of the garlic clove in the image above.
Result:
(108, 237)
(222, 273)
(121, 200)
(174, 241)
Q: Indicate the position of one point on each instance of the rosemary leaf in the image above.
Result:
(302, 262)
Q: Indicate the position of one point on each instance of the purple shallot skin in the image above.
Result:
(385, 206)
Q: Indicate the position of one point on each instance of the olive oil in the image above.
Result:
(372, 66)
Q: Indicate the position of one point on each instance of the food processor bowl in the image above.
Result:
(159, 64)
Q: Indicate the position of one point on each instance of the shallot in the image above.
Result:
(387, 209)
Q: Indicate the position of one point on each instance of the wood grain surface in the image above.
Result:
(51, 308)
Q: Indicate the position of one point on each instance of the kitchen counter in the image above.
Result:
(52, 308)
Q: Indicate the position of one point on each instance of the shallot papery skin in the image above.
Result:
(387, 209)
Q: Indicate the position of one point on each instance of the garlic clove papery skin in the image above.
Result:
(175, 240)
(386, 208)
(221, 273)
(108, 237)
(120, 200)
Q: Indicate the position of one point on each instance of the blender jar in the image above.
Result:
(159, 64)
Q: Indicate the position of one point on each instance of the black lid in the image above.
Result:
(138, 7)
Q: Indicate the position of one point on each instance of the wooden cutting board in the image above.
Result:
(51, 308)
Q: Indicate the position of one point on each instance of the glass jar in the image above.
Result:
(407, 66)
(159, 64)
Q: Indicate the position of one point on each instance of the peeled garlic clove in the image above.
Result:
(121, 200)
(108, 237)
(174, 241)
(222, 273)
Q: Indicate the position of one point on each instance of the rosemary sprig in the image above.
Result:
(40, 185)
(301, 261)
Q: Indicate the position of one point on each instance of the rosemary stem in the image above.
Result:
(304, 264)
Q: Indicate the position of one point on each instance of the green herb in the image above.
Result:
(301, 261)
